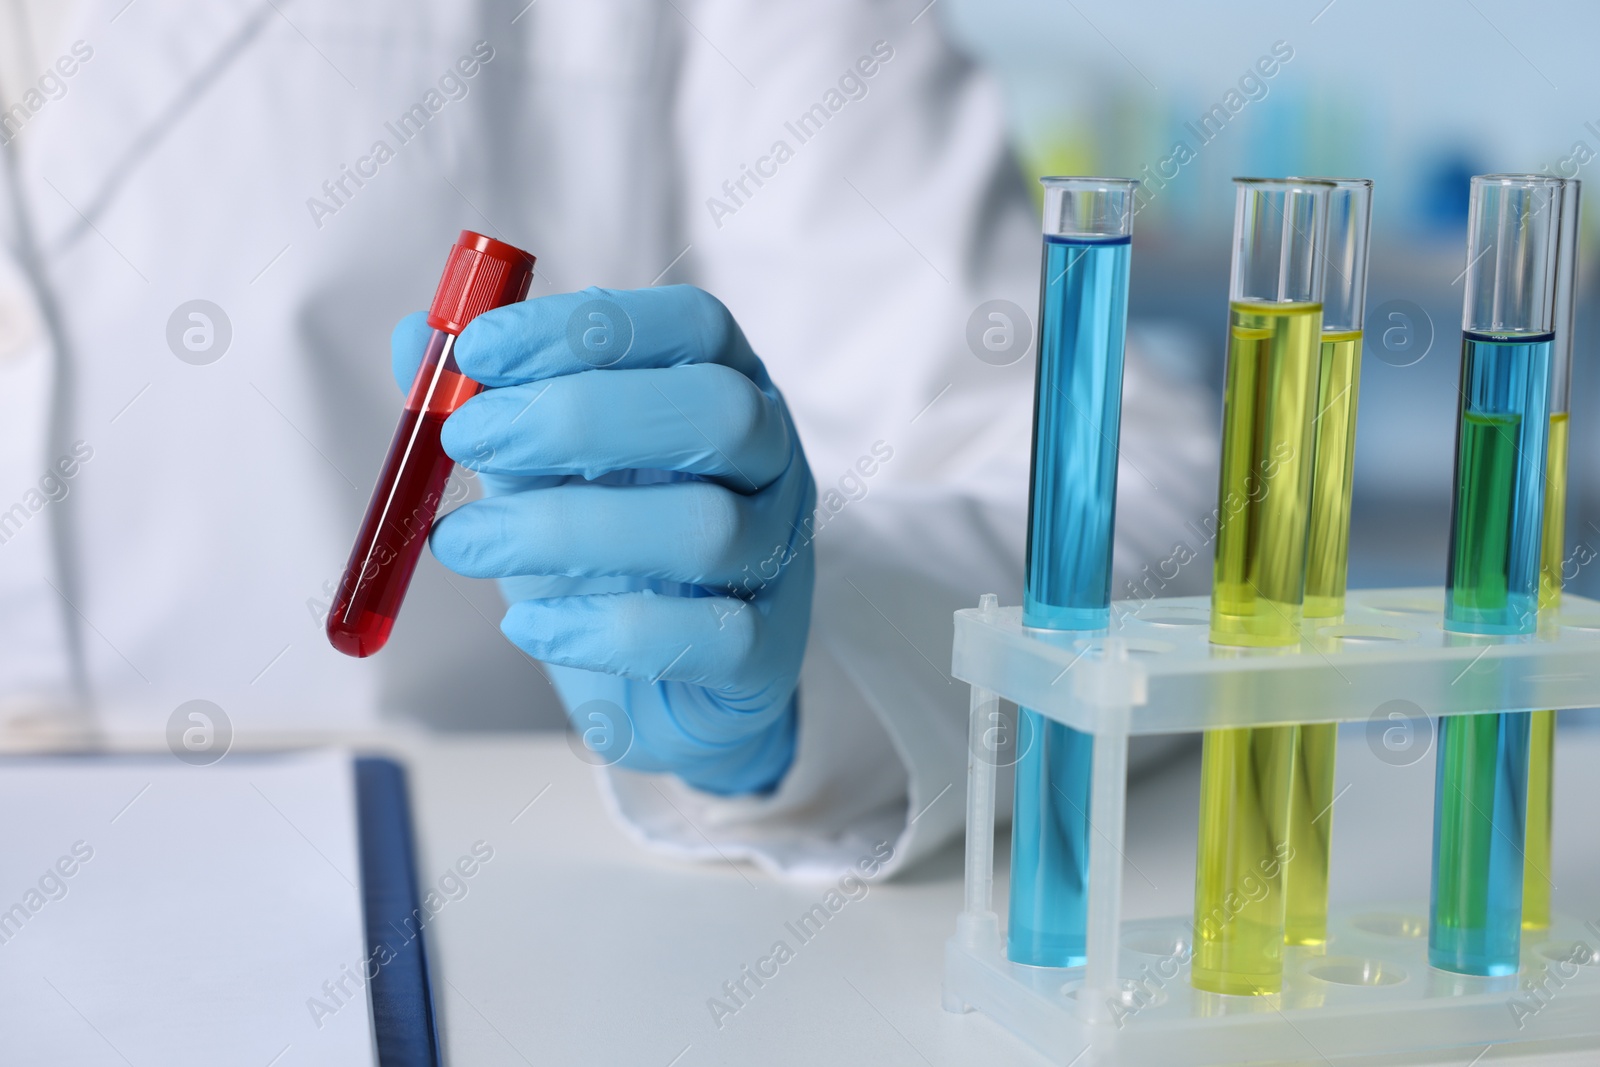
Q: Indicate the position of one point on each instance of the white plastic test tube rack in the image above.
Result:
(1369, 991)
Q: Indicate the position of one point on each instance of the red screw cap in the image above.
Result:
(480, 274)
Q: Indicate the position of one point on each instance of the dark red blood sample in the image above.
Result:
(481, 274)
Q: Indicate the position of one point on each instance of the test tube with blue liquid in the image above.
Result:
(1492, 584)
(1083, 315)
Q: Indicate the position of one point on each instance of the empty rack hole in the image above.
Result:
(1579, 952)
(1131, 994)
(1136, 646)
(1347, 632)
(1391, 924)
(1155, 942)
(1174, 616)
(1353, 971)
(1413, 605)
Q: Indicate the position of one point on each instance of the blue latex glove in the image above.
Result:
(591, 395)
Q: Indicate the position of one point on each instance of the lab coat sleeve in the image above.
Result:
(855, 223)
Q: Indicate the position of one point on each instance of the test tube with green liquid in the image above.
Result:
(1305, 881)
(1258, 590)
(1492, 584)
(1542, 724)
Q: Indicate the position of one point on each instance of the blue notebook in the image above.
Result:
(402, 999)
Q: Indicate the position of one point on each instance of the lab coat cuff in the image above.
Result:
(842, 803)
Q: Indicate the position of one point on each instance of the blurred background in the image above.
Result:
(1418, 97)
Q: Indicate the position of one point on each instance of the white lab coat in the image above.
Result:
(186, 160)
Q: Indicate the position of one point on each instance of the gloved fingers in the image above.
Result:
(502, 484)
(689, 531)
(725, 645)
(567, 333)
(703, 419)
(677, 728)
(406, 346)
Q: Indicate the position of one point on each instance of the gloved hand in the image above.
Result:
(700, 627)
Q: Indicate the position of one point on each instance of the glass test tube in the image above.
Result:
(1305, 881)
(1083, 314)
(1492, 587)
(1269, 403)
(1542, 724)
(480, 274)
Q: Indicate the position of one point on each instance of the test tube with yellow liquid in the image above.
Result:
(1328, 544)
(1269, 406)
(1552, 559)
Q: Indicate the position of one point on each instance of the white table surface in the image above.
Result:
(574, 946)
